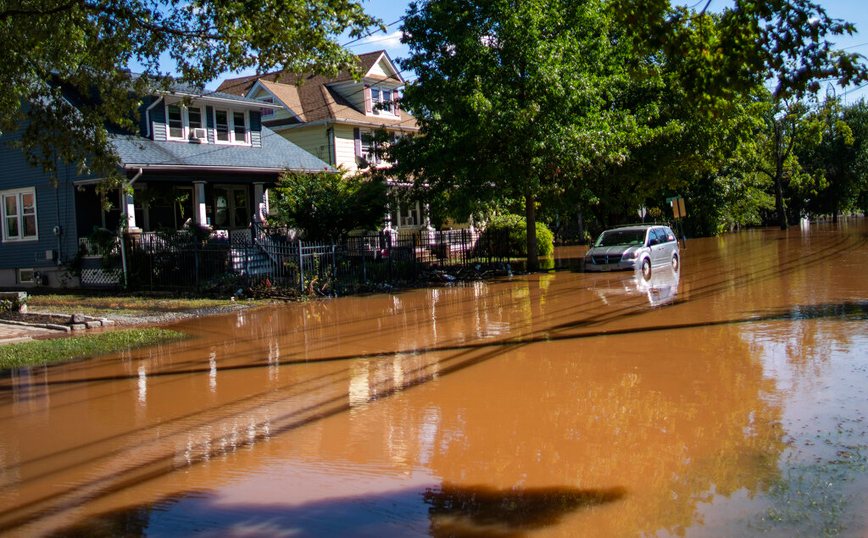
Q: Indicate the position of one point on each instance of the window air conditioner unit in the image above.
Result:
(199, 133)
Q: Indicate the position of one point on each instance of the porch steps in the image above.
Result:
(250, 261)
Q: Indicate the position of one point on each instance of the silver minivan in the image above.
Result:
(638, 246)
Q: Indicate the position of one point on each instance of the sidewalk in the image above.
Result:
(10, 334)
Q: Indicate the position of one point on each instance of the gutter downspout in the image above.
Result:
(330, 137)
(128, 185)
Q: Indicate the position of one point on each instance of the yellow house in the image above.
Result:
(333, 118)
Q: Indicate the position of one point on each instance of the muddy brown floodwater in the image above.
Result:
(727, 400)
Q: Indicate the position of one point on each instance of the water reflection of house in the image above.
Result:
(334, 119)
(200, 157)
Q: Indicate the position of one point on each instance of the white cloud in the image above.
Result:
(388, 41)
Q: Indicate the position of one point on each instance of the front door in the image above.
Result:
(231, 207)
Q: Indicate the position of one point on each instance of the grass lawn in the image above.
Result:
(63, 349)
(98, 305)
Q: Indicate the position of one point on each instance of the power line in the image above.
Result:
(369, 34)
(385, 38)
(856, 46)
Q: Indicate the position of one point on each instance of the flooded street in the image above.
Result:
(725, 400)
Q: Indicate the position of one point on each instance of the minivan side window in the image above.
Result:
(669, 235)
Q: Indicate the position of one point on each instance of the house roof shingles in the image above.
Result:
(312, 99)
(276, 154)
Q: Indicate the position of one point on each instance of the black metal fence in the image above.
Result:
(271, 257)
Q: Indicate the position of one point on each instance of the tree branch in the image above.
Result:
(4, 15)
(156, 28)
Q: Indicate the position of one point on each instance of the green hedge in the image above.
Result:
(515, 228)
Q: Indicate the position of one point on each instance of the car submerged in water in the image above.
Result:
(638, 246)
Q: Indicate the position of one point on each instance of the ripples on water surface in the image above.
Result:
(724, 400)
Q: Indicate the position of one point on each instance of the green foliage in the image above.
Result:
(65, 349)
(514, 100)
(13, 305)
(726, 200)
(841, 159)
(55, 48)
(787, 125)
(329, 205)
(782, 44)
(514, 228)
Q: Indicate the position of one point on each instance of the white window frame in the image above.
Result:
(230, 120)
(186, 129)
(22, 276)
(378, 90)
(18, 195)
(369, 148)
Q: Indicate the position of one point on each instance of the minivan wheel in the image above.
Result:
(646, 269)
(675, 262)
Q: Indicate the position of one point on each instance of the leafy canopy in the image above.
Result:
(53, 49)
(513, 99)
(784, 44)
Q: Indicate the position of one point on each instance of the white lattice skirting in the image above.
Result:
(101, 277)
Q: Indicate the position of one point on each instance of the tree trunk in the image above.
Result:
(530, 215)
(581, 225)
(779, 200)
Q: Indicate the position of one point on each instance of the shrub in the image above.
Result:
(511, 231)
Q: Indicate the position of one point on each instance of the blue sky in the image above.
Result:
(853, 11)
(391, 12)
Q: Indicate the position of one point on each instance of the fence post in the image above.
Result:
(389, 251)
(300, 268)
(365, 261)
(124, 259)
(415, 273)
(150, 252)
(443, 260)
(196, 260)
(334, 267)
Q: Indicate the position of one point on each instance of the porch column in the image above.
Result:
(199, 215)
(260, 194)
(128, 211)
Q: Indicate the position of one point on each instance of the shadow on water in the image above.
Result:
(483, 511)
(451, 511)
(856, 311)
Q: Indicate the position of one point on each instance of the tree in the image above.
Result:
(327, 206)
(788, 124)
(781, 43)
(513, 99)
(57, 50)
(842, 158)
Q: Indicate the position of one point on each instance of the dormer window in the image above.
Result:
(239, 126)
(382, 101)
(231, 127)
(184, 123)
(194, 115)
(175, 115)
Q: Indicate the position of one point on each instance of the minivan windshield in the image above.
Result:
(618, 238)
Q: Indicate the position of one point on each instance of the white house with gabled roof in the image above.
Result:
(334, 118)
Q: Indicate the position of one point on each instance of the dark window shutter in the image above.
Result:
(357, 139)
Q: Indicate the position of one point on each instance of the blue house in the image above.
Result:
(199, 157)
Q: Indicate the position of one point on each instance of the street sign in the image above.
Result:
(678, 209)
